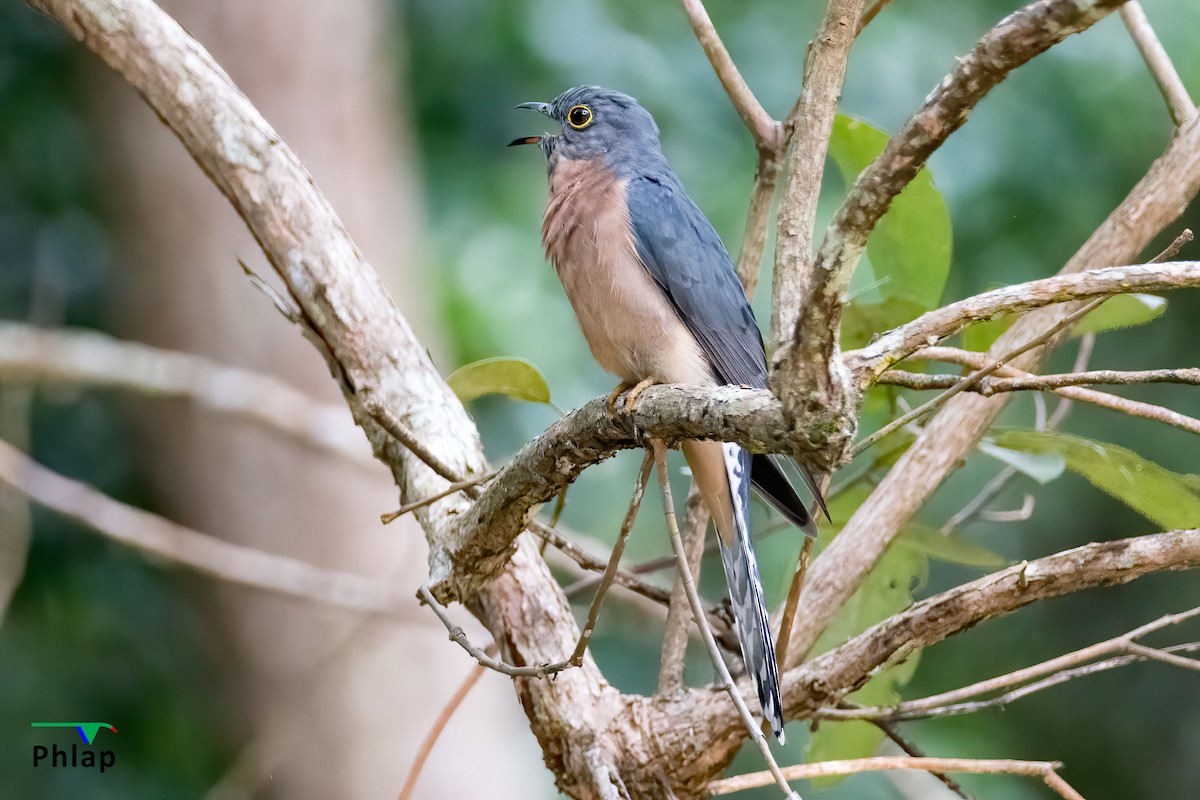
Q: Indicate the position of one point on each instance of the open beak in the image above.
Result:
(542, 107)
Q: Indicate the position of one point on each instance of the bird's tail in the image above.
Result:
(722, 472)
(768, 476)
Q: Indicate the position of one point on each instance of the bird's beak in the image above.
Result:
(542, 107)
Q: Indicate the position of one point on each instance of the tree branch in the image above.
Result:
(1158, 62)
(1046, 770)
(766, 131)
(911, 709)
(754, 237)
(808, 126)
(927, 329)
(689, 584)
(30, 354)
(377, 360)
(806, 341)
(995, 385)
(821, 682)
(1022, 380)
(979, 374)
(200, 552)
(1154, 203)
(679, 613)
(484, 534)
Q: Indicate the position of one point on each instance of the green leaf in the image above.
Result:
(951, 549)
(1122, 311)
(514, 377)
(862, 321)
(886, 591)
(910, 247)
(1165, 497)
(1042, 467)
(982, 335)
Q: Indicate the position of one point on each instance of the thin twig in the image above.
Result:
(560, 504)
(439, 725)
(892, 731)
(1156, 654)
(976, 504)
(392, 516)
(1185, 237)
(994, 385)
(401, 432)
(197, 551)
(755, 732)
(1034, 769)
(975, 377)
(593, 564)
(1083, 356)
(1134, 408)
(1161, 68)
(929, 328)
(1058, 678)
(610, 572)
(908, 708)
(679, 613)
(788, 620)
(763, 127)
(754, 236)
(459, 636)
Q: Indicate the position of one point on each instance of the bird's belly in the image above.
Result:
(630, 326)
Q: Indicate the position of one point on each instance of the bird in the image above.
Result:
(658, 301)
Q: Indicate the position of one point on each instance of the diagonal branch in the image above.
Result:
(1158, 62)
(375, 356)
(29, 354)
(807, 340)
(1064, 385)
(970, 380)
(823, 681)
(766, 131)
(205, 554)
(927, 329)
(1046, 770)
(1117, 644)
(1155, 202)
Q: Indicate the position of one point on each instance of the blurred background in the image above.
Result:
(401, 112)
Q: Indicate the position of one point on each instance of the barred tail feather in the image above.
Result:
(746, 594)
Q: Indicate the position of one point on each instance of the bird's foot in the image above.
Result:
(615, 395)
(636, 392)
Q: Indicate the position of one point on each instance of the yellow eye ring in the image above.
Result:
(579, 117)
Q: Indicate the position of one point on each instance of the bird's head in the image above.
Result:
(596, 122)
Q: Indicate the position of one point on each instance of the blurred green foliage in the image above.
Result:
(98, 632)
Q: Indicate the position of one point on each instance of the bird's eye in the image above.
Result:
(579, 117)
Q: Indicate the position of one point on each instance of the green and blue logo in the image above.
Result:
(56, 757)
(87, 730)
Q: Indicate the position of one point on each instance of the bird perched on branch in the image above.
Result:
(659, 302)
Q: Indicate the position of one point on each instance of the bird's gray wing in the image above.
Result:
(686, 258)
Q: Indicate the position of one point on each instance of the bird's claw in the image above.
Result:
(615, 395)
(636, 392)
